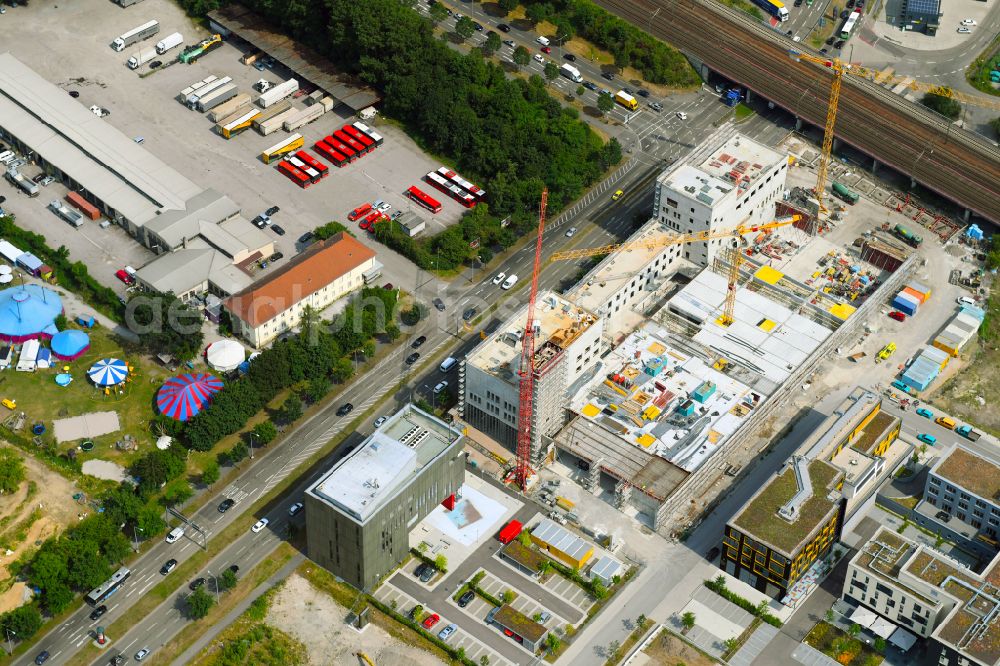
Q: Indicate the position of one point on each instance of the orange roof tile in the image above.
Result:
(312, 270)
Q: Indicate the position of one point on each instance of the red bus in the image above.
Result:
(363, 209)
(341, 148)
(323, 169)
(324, 149)
(454, 191)
(466, 186)
(510, 531)
(358, 147)
(314, 175)
(295, 175)
(421, 197)
(359, 136)
(364, 129)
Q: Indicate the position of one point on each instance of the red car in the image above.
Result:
(431, 620)
(546, 49)
(897, 315)
(365, 224)
(122, 275)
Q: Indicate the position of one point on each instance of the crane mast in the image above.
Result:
(526, 385)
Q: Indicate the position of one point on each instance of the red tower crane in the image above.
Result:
(526, 386)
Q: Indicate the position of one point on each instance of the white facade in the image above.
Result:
(726, 182)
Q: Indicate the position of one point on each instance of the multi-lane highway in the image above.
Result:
(960, 166)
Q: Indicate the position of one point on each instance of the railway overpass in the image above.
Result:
(958, 165)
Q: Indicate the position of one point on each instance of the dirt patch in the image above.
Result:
(299, 608)
(40, 508)
(971, 384)
(668, 650)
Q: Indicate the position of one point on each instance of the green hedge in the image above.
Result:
(426, 560)
(745, 604)
(448, 649)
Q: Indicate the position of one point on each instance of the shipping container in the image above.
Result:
(275, 123)
(906, 304)
(510, 531)
(233, 106)
(915, 294)
(921, 289)
(84, 206)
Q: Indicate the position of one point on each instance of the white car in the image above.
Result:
(48, 180)
(380, 420)
(965, 31)
(141, 654)
(570, 232)
(538, 58)
(384, 207)
(969, 22)
(499, 278)
(295, 508)
(544, 41)
(682, 115)
(259, 525)
(509, 282)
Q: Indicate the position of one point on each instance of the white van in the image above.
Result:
(175, 534)
(440, 387)
(544, 41)
(965, 300)
(7, 156)
(448, 364)
(509, 282)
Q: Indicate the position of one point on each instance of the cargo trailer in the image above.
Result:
(217, 97)
(275, 123)
(303, 117)
(88, 209)
(207, 89)
(277, 93)
(187, 92)
(234, 127)
(231, 107)
(291, 144)
(71, 216)
(141, 58)
(144, 31)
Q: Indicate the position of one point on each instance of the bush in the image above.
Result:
(199, 603)
(719, 587)
(948, 107)
(329, 230)
(11, 470)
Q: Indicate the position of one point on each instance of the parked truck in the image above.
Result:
(66, 213)
(217, 97)
(967, 432)
(171, 41)
(275, 123)
(141, 58)
(206, 90)
(571, 73)
(908, 236)
(271, 112)
(732, 97)
(144, 31)
(192, 53)
(303, 117)
(28, 187)
(184, 94)
(277, 93)
(626, 100)
(843, 192)
(232, 107)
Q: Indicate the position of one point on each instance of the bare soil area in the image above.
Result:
(668, 650)
(40, 508)
(299, 608)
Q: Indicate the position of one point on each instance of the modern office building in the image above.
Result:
(966, 485)
(727, 181)
(920, 15)
(795, 519)
(567, 345)
(317, 277)
(359, 514)
(919, 590)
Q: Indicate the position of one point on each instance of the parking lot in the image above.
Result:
(68, 45)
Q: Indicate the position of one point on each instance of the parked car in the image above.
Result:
(499, 278)
(608, 75)
(48, 180)
(156, 64)
(478, 26)
(431, 620)
(74, 93)
(927, 439)
(590, 85)
(569, 56)
(196, 583)
(570, 232)
(226, 504)
(439, 304)
(447, 631)
(278, 230)
(272, 211)
(469, 314)
(643, 92)
(466, 598)
(943, 516)
(544, 617)
(307, 237)
(656, 106)
(122, 275)
(412, 358)
(142, 654)
(503, 27)
(418, 342)
(427, 574)
(379, 421)
(538, 58)
(509, 42)
(712, 553)
(168, 566)
(295, 509)
(926, 413)
(275, 257)
(117, 660)
(259, 525)
(968, 21)
(98, 612)
(965, 31)
(682, 115)
(345, 409)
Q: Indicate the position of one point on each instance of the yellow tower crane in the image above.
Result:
(840, 68)
(735, 258)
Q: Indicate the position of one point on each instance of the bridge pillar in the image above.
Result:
(913, 182)
(748, 95)
(875, 166)
(798, 124)
(704, 71)
(836, 144)
(966, 215)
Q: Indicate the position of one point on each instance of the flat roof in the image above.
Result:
(768, 337)
(560, 538)
(372, 475)
(187, 268)
(759, 517)
(300, 59)
(103, 160)
(975, 473)
(558, 322)
(646, 391)
(520, 624)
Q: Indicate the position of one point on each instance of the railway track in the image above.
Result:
(956, 164)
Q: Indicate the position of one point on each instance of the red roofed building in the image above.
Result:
(319, 276)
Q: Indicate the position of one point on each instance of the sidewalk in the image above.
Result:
(188, 656)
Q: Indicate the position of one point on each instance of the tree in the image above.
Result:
(11, 470)
(544, 567)
(879, 644)
(392, 332)
(264, 433)
(995, 124)
(580, 90)
(329, 229)
(24, 622)
(613, 648)
(165, 325)
(688, 621)
(464, 27)
(507, 596)
(731, 644)
(227, 580)
(210, 474)
(485, 660)
(291, 409)
(507, 6)
(720, 582)
(492, 44)
(605, 102)
(177, 492)
(199, 603)
(551, 71)
(521, 56)
(157, 467)
(553, 642)
(538, 12)
(854, 630)
(948, 107)
(641, 621)
(438, 13)
(830, 615)
(441, 562)
(762, 608)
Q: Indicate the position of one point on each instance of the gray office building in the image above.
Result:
(360, 513)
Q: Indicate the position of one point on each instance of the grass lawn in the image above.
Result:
(841, 647)
(978, 73)
(41, 399)
(831, 25)
(743, 111)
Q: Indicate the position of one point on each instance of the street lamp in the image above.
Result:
(252, 435)
(135, 536)
(10, 646)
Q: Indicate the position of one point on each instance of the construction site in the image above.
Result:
(681, 346)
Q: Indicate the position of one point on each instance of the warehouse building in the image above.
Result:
(323, 273)
(360, 512)
(561, 544)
